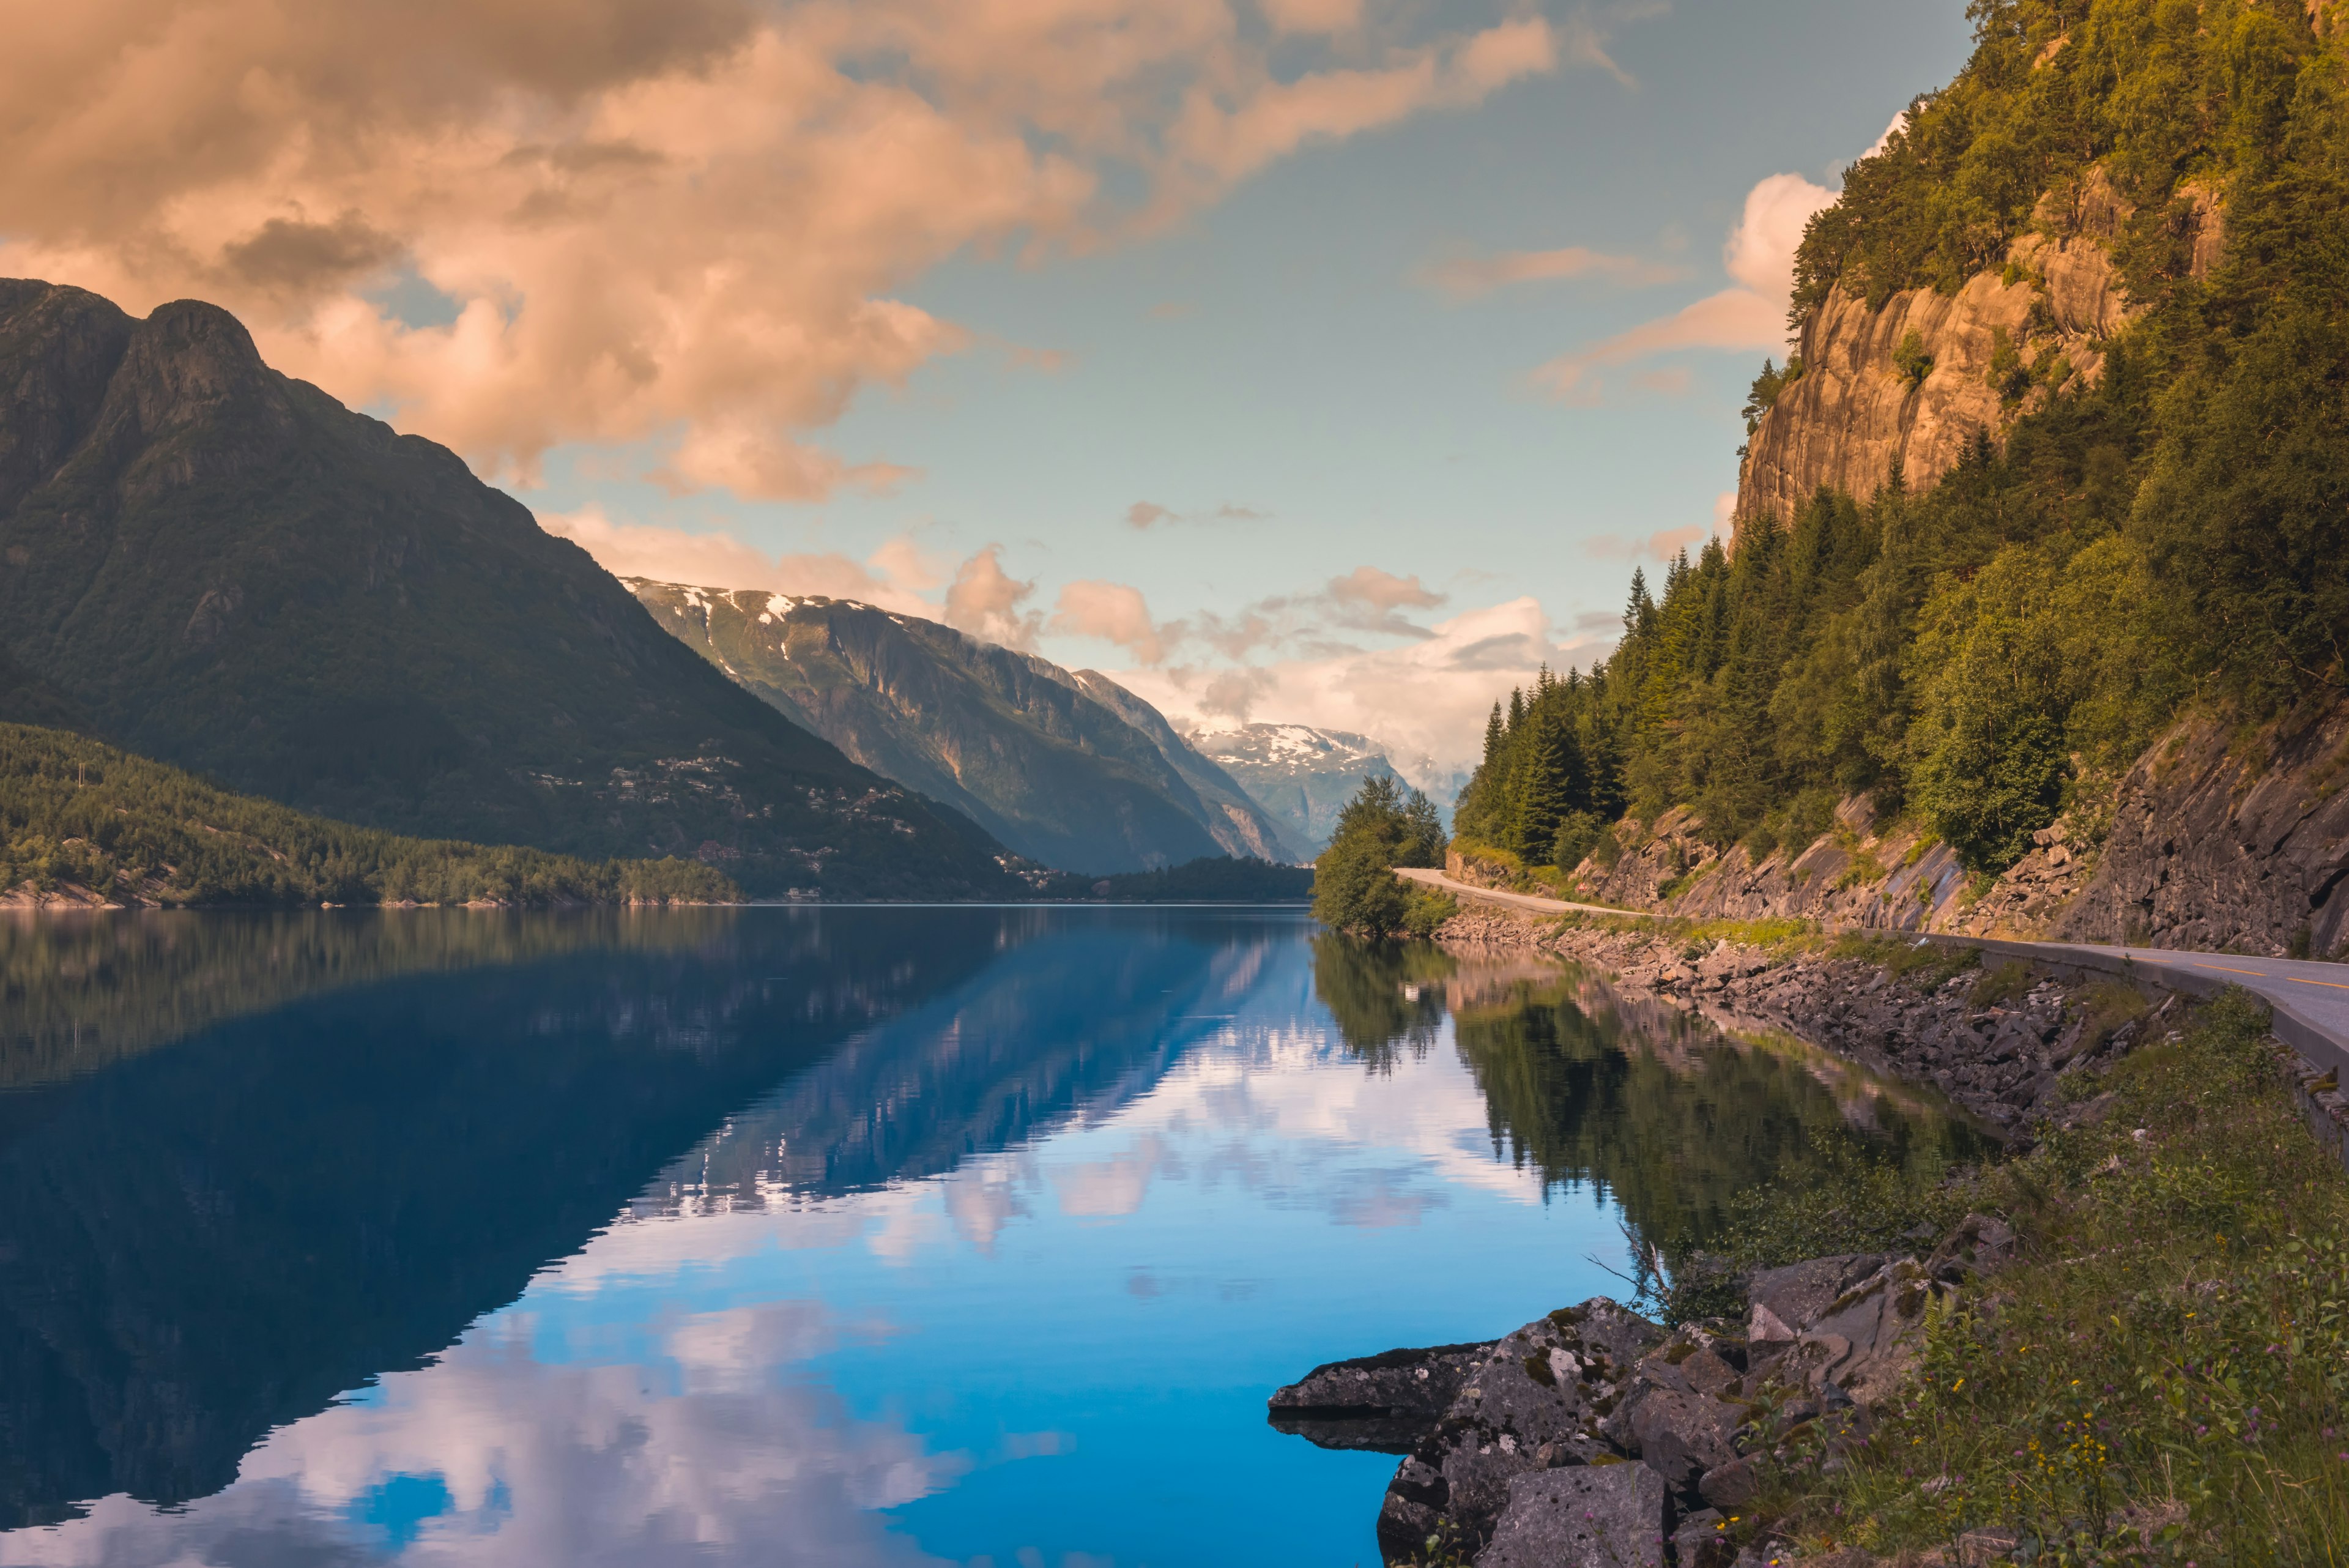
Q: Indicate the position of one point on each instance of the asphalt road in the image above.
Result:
(2317, 992)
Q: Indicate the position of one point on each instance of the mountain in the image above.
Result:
(1070, 770)
(1302, 777)
(1247, 830)
(82, 822)
(2034, 616)
(223, 568)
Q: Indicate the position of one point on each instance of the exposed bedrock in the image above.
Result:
(1860, 408)
(1592, 1436)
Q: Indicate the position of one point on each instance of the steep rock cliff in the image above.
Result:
(1858, 412)
(2207, 849)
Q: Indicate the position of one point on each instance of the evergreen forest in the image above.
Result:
(2000, 648)
(75, 813)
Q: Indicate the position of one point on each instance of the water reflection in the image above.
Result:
(209, 1240)
(869, 1237)
(1661, 1110)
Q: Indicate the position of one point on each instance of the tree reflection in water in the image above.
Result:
(1661, 1108)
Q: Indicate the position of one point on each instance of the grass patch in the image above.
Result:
(1999, 986)
(2162, 1375)
(1920, 964)
(2109, 1005)
(1865, 868)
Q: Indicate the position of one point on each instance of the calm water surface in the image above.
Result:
(849, 1236)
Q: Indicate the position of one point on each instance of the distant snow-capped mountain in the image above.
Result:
(1301, 776)
(1067, 768)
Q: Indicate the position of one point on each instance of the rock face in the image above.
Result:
(2206, 853)
(2201, 851)
(1593, 1516)
(1534, 1402)
(1856, 412)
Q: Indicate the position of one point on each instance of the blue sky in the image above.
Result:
(925, 302)
(1278, 375)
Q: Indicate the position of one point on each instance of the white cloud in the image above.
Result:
(686, 222)
(1428, 697)
(1759, 256)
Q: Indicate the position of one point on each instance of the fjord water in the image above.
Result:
(857, 1236)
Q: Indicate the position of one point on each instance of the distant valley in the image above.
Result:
(1067, 768)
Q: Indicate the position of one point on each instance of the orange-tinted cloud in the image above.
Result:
(682, 221)
(1759, 257)
(1661, 545)
(889, 578)
(1115, 613)
(1465, 277)
(984, 600)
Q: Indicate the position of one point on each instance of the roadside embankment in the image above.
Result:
(2122, 1344)
(1996, 1040)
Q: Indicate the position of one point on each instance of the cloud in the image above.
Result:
(1759, 256)
(1584, 37)
(893, 577)
(1661, 545)
(983, 600)
(689, 223)
(1313, 16)
(1149, 514)
(1472, 276)
(1428, 697)
(1114, 612)
(1234, 693)
(1383, 590)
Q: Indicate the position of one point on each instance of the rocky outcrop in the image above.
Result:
(1593, 1437)
(1996, 349)
(1382, 1404)
(2202, 847)
(2209, 850)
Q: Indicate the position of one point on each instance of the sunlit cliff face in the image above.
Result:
(523, 223)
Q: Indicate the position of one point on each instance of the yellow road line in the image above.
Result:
(2260, 974)
(2337, 985)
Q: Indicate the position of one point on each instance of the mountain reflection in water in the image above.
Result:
(853, 1236)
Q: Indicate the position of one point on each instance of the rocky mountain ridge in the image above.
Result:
(214, 564)
(1067, 769)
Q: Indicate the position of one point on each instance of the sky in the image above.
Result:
(1324, 361)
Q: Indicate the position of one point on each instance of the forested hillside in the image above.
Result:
(2165, 529)
(82, 822)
